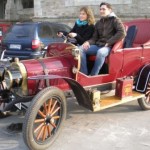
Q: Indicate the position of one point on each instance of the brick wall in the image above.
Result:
(67, 10)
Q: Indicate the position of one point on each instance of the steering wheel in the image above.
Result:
(68, 39)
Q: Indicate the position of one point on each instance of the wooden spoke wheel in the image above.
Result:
(44, 118)
(145, 102)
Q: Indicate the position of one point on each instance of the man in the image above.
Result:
(108, 30)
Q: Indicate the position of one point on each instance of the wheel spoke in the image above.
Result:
(55, 111)
(148, 98)
(44, 133)
(49, 130)
(49, 105)
(39, 127)
(56, 117)
(39, 120)
(53, 124)
(147, 92)
(40, 133)
(45, 108)
(41, 114)
(53, 107)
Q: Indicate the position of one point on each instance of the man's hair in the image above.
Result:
(107, 4)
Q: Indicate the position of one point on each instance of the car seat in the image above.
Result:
(131, 34)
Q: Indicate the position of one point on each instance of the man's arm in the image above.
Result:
(95, 35)
(120, 32)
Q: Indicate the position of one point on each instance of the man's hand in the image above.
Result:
(86, 45)
(72, 34)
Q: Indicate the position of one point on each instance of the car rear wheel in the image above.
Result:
(145, 102)
(44, 118)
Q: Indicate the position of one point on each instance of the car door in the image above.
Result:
(146, 54)
(131, 61)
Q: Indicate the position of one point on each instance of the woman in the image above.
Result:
(83, 28)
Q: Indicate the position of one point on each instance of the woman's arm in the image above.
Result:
(86, 36)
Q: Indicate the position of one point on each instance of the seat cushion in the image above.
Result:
(143, 34)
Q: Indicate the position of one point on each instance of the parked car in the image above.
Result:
(27, 40)
(46, 82)
(3, 30)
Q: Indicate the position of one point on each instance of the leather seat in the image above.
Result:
(130, 37)
(143, 34)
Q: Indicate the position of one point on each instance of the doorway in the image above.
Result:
(2, 8)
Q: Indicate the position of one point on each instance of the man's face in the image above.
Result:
(104, 11)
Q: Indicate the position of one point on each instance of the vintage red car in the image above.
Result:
(48, 81)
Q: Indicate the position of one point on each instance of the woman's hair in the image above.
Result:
(90, 16)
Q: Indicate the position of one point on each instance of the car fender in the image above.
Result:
(80, 93)
(143, 79)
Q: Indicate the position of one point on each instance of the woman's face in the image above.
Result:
(83, 16)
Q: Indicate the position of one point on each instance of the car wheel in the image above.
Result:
(44, 118)
(145, 102)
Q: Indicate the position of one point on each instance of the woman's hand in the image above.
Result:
(72, 35)
(86, 45)
(60, 34)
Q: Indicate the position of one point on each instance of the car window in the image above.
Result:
(45, 31)
(22, 30)
(60, 27)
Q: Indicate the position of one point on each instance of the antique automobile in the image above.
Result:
(47, 82)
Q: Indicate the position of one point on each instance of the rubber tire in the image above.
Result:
(142, 102)
(31, 113)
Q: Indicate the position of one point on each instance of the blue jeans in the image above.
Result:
(100, 52)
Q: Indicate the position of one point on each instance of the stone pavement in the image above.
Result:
(125, 127)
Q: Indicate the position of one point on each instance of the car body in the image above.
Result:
(27, 40)
(45, 82)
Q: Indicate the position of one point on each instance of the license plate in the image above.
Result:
(15, 46)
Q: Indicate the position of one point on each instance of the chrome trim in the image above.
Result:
(23, 72)
(10, 77)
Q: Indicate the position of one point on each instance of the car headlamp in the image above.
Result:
(13, 78)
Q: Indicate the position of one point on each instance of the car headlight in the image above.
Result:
(13, 78)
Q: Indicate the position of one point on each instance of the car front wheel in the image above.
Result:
(44, 118)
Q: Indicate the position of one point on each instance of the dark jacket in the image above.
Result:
(108, 30)
(84, 32)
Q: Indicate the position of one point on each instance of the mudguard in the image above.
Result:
(143, 79)
(80, 93)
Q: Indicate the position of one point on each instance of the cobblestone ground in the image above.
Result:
(124, 127)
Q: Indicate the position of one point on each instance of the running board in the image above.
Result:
(111, 101)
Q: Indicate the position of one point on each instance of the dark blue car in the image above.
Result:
(27, 40)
